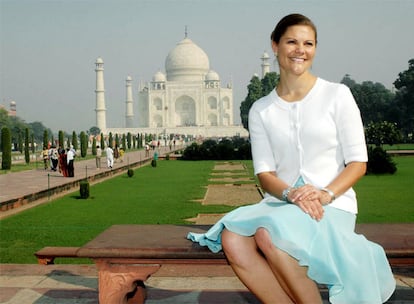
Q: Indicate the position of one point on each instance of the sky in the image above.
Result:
(48, 48)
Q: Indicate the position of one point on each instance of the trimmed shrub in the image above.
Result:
(84, 189)
(6, 149)
(130, 173)
(167, 157)
(380, 162)
(26, 146)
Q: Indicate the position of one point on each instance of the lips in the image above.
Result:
(298, 59)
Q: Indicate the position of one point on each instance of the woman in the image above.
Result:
(308, 151)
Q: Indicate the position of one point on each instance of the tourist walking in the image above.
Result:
(98, 157)
(63, 165)
(109, 157)
(308, 151)
(70, 157)
(54, 157)
(45, 156)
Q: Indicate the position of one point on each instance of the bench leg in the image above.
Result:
(117, 282)
(45, 260)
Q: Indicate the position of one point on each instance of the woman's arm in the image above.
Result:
(345, 180)
(308, 203)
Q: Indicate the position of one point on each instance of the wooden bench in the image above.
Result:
(127, 255)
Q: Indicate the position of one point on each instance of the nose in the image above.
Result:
(299, 49)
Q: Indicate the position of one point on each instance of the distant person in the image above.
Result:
(70, 157)
(63, 166)
(121, 154)
(45, 156)
(98, 157)
(116, 153)
(54, 157)
(147, 149)
(109, 157)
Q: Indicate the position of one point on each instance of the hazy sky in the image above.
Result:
(48, 48)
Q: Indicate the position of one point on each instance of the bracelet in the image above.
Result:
(331, 194)
(285, 194)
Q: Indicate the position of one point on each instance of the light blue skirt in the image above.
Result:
(354, 269)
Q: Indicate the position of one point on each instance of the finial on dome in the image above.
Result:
(185, 32)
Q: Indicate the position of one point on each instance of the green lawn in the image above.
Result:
(165, 195)
(388, 198)
(161, 195)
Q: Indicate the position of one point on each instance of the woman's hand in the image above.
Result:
(309, 199)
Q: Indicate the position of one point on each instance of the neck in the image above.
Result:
(293, 87)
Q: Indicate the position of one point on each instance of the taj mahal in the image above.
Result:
(188, 99)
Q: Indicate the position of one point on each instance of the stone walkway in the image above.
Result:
(26, 284)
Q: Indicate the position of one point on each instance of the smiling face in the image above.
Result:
(296, 49)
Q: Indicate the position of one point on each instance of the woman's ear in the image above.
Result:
(274, 48)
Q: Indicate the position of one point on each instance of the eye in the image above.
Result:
(309, 43)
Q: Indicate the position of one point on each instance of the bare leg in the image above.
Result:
(292, 277)
(252, 268)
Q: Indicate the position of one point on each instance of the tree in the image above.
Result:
(381, 133)
(269, 82)
(94, 131)
(123, 142)
(38, 128)
(257, 89)
(26, 146)
(102, 141)
(4, 119)
(45, 139)
(374, 101)
(129, 140)
(94, 146)
(6, 148)
(61, 138)
(254, 93)
(84, 143)
(32, 143)
(20, 141)
(75, 141)
(350, 83)
(405, 99)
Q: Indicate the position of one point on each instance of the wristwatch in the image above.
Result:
(285, 194)
(331, 194)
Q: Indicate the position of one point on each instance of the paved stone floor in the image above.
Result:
(61, 284)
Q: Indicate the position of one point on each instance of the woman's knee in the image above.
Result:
(237, 248)
(263, 240)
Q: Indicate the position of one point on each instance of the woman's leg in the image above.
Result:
(292, 277)
(252, 268)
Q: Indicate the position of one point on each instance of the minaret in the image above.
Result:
(265, 64)
(100, 96)
(129, 116)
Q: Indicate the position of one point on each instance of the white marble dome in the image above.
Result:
(212, 76)
(186, 62)
(159, 77)
(99, 60)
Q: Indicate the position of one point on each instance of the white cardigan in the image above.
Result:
(313, 138)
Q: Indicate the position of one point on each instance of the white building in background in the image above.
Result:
(129, 113)
(100, 108)
(189, 98)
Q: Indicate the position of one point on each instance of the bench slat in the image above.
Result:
(47, 255)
